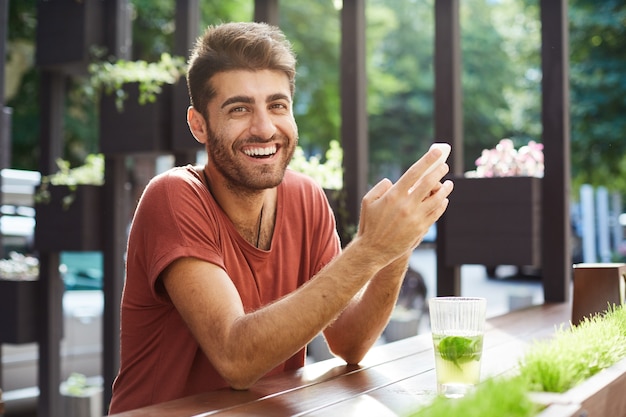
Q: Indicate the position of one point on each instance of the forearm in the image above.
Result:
(259, 341)
(362, 322)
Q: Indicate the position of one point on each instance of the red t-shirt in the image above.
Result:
(177, 217)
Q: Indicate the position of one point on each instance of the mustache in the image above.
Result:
(277, 137)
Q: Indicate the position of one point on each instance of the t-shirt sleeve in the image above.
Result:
(325, 242)
(173, 221)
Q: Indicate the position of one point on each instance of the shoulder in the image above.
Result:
(177, 176)
(302, 192)
(294, 180)
(175, 180)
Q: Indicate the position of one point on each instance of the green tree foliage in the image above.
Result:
(153, 24)
(598, 91)
(501, 77)
(313, 29)
(23, 98)
(487, 75)
(402, 82)
(400, 73)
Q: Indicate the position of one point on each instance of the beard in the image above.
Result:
(241, 176)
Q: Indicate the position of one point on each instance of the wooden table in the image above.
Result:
(393, 379)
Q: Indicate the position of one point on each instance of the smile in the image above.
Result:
(260, 152)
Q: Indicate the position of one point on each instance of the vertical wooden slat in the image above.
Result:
(448, 120)
(556, 257)
(52, 88)
(6, 114)
(4, 139)
(116, 200)
(187, 30)
(353, 80)
(266, 11)
(118, 42)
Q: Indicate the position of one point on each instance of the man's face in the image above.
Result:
(252, 131)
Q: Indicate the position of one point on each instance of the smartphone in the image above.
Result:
(445, 152)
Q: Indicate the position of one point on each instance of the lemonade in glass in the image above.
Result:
(457, 325)
(457, 362)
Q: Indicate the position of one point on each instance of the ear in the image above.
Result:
(197, 125)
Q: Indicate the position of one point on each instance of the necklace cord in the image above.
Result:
(258, 233)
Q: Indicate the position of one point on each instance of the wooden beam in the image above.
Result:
(118, 28)
(448, 121)
(116, 200)
(556, 256)
(5, 154)
(266, 11)
(5, 141)
(184, 146)
(353, 82)
(118, 42)
(52, 101)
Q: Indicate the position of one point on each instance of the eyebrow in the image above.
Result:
(237, 99)
(250, 100)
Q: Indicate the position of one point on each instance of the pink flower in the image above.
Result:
(505, 161)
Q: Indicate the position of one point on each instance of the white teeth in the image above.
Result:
(260, 151)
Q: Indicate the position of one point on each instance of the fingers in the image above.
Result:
(441, 198)
(430, 183)
(378, 190)
(408, 180)
(372, 195)
(395, 217)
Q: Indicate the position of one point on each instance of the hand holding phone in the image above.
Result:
(445, 152)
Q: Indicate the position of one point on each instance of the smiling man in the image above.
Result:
(233, 267)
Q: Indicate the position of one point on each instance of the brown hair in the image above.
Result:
(236, 46)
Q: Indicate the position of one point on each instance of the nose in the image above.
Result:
(262, 125)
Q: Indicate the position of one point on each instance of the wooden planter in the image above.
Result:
(66, 30)
(18, 311)
(494, 221)
(602, 395)
(137, 128)
(87, 404)
(74, 228)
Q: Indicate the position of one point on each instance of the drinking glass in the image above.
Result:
(457, 325)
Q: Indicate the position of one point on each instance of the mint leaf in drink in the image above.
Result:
(459, 349)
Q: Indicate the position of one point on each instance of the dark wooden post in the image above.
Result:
(52, 100)
(187, 30)
(556, 257)
(266, 11)
(353, 89)
(118, 41)
(448, 120)
(5, 137)
(4, 11)
(5, 157)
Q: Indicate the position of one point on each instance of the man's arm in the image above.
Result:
(362, 322)
(243, 347)
(359, 326)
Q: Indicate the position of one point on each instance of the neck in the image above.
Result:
(250, 213)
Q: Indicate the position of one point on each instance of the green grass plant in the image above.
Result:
(495, 397)
(576, 353)
(554, 365)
